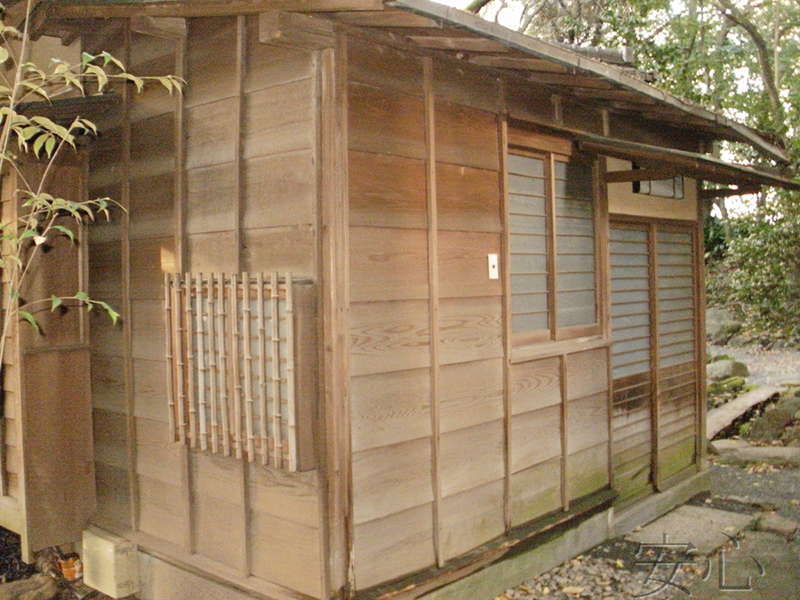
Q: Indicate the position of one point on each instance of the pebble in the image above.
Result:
(595, 578)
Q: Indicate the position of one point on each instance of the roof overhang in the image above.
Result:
(660, 163)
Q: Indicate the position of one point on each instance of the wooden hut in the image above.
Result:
(404, 294)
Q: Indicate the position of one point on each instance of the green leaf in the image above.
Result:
(55, 302)
(66, 231)
(29, 318)
(81, 295)
(4, 55)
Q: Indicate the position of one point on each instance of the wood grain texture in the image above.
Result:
(389, 336)
(463, 264)
(161, 509)
(211, 252)
(587, 373)
(471, 329)
(388, 264)
(150, 258)
(108, 387)
(211, 52)
(281, 190)
(210, 133)
(383, 67)
(587, 471)
(217, 527)
(534, 384)
(468, 199)
(289, 496)
(152, 146)
(57, 415)
(469, 87)
(471, 518)
(281, 248)
(387, 191)
(270, 66)
(210, 197)
(587, 422)
(470, 394)
(389, 408)
(393, 546)
(386, 122)
(466, 137)
(390, 479)
(535, 491)
(471, 457)
(535, 437)
(151, 206)
(286, 553)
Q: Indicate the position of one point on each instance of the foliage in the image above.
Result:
(758, 275)
(42, 216)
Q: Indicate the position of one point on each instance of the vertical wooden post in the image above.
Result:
(505, 269)
(700, 337)
(654, 362)
(433, 305)
(565, 492)
(335, 302)
(127, 342)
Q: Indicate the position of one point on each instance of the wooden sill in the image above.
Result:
(520, 354)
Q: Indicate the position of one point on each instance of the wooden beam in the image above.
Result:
(171, 28)
(727, 192)
(295, 31)
(121, 9)
(648, 174)
(522, 64)
(462, 44)
(386, 18)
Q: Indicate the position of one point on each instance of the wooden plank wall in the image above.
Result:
(389, 288)
(429, 422)
(221, 180)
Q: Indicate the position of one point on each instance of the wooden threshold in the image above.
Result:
(513, 543)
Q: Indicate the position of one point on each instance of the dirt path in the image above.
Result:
(766, 366)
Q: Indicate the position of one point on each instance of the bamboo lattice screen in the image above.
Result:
(230, 357)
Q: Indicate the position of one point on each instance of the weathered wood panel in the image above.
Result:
(281, 248)
(463, 264)
(535, 491)
(468, 199)
(281, 190)
(470, 329)
(388, 264)
(389, 408)
(471, 457)
(403, 542)
(211, 52)
(470, 394)
(385, 122)
(466, 136)
(383, 67)
(535, 437)
(471, 518)
(534, 385)
(389, 336)
(387, 191)
(390, 479)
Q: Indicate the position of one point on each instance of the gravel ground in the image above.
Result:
(610, 570)
(766, 366)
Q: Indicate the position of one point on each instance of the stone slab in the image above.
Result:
(778, 455)
(706, 528)
(719, 418)
(777, 524)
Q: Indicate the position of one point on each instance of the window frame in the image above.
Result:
(550, 153)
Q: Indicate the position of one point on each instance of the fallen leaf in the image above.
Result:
(620, 564)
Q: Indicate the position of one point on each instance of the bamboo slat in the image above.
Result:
(213, 342)
(237, 383)
(202, 370)
(248, 366)
(223, 364)
(180, 364)
(276, 371)
(187, 307)
(170, 361)
(291, 425)
(262, 373)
